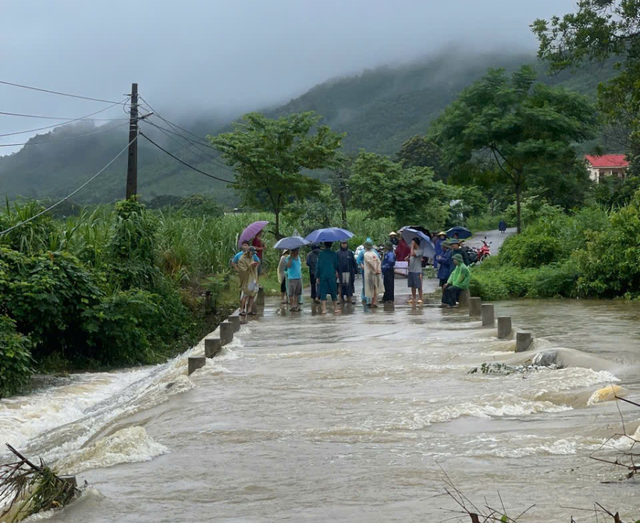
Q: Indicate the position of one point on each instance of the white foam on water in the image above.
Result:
(23, 418)
(130, 445)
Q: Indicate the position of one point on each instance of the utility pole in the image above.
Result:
(132, 167)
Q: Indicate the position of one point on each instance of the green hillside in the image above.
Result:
(378, 109)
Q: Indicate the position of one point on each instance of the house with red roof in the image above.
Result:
(600, 167)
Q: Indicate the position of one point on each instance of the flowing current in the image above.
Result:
(359, 418)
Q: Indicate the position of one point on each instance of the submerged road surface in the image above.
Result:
(354, 418)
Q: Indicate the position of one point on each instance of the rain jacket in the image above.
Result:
(312, 260)
(388, 262)
(445, 264)
(460, 277)
(327, 265)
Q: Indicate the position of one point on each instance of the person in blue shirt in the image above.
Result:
(445, 263)
(388, 273)
(236, 258)
(293, 266)
(439, 240)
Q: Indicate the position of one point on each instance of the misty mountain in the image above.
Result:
(377, 109)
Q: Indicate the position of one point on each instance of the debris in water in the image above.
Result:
(27, 489)
(505, 370)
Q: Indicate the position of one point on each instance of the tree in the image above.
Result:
(268, 157)
(419, 151)
(522, 126)
(339, 181)
(599, 31)
(383, 187)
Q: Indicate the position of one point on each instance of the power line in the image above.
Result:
(185, 163)
(60, 124)
(44, 142)
(2, 233)
(40, 117)
(204, 156)
(59, 93)
(206, 144)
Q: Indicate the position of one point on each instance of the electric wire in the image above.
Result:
(177, 126)
(2, 233)
(41, 117)
(185, 163)
(60, 124)
(59, 93)
(200, 154)
(44, 142)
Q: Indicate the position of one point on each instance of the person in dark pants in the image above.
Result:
(312, 263)
(445, 264)
(388, 273)
(347, 269)
(458, 281)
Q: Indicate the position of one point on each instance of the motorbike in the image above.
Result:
(477, 255)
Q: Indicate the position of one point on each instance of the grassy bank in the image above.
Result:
(121, 285)
(591, 253)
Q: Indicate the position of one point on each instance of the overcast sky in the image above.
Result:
(189, 55)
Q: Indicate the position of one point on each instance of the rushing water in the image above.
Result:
(351, 418)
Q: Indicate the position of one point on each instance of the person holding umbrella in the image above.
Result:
(458, 281)
(414, 279)
(247, 268)
(326, 275)
(257, 244)
(282, 276)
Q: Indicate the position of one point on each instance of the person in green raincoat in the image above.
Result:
(327, 274)
(457, 282)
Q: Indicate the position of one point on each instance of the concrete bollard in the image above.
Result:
(523, 341)
(260, 297)
(234, 319)
(226, 332)
(488, 315)
(212, 346)
(475, 306)
(195, 363)
(463, 299)
(504, 326)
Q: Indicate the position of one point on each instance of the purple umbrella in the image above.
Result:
(250, 232)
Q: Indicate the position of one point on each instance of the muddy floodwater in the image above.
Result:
(351, 418)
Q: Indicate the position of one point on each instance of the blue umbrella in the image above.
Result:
(291, 242)
(426, 244)
(332, 234)
(463, 232)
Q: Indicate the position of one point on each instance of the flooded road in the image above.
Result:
(353, 418)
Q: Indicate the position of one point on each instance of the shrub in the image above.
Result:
(46, 296)
(15, 358)
(530, 250)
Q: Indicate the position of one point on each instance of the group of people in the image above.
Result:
(333, 273)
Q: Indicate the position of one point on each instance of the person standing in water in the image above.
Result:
(414, 279)
(312, 261)
(372, 274)
(294, 279)
(388, 273)
(247, 267)
(282, 277)
(326, 274)
(347, 270)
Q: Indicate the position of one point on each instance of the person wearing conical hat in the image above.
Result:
(439, 239)
(393, 238)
